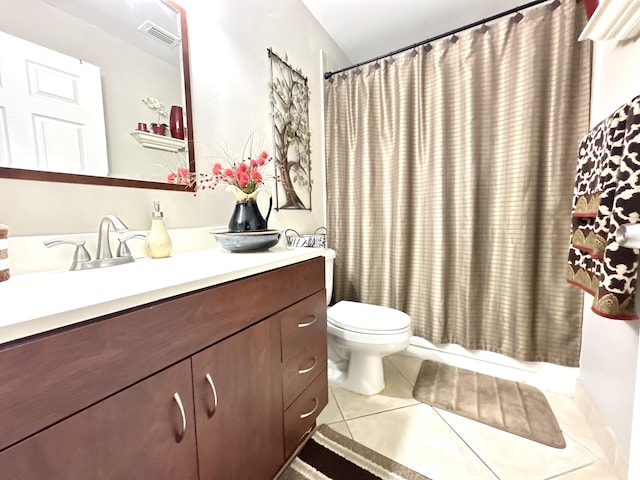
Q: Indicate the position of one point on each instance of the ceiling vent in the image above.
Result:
(613, 20)
(160, 34)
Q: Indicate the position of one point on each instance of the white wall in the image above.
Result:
(230, 73)
(610, 347)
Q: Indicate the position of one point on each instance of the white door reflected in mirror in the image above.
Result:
(133, 64)
(51, 110)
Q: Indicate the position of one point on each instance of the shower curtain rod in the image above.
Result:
(328, 75)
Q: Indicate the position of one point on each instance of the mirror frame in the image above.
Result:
(41, 175)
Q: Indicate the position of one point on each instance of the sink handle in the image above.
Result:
(123, 248)
(80, 255)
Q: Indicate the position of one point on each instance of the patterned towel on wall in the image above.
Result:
(607, 195)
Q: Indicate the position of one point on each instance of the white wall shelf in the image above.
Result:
(613, 20)
(159, 142)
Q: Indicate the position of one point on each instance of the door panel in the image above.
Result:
(241, 436)
(133, 434)
(51, 104)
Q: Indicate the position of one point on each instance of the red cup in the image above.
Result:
(142, 127)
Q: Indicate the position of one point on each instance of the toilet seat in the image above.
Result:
(369, 319)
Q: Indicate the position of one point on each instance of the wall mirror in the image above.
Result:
(113, 55)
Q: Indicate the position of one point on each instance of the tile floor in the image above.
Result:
(444, 446)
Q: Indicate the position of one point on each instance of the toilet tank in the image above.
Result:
(329, 256)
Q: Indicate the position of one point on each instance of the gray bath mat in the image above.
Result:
(510, 406)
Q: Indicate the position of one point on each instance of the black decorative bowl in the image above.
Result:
(247, 241)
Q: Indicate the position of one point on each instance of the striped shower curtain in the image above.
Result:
(450, 170)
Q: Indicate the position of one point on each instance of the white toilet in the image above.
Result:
(359, 336)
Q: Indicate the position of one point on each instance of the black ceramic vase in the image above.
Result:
(246, 216)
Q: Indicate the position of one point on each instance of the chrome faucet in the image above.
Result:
(104, 249)
(104, 257)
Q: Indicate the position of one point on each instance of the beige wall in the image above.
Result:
(230, 74)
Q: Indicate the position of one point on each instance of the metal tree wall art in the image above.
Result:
(291, 137)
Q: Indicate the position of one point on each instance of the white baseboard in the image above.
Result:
(546, 376)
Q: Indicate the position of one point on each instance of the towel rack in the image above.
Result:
(628, 235)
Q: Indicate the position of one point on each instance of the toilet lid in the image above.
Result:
(366, 318)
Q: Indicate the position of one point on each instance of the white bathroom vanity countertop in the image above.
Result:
(38, 302)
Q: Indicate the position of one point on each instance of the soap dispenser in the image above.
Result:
(158, 242)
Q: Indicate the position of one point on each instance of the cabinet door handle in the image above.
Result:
(180, 435)
(307, 370)
(315, 407)
(211, 413)
(308, 324)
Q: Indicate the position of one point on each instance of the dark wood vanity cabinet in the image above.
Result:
(304, 367)
(136, 433)
(239, 405)
(193, 387)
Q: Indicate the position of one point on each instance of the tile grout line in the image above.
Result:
(599, 456)
(383, 411)
(413, 384)
(576, 469)
(402, 377)
(463, 441)
(335, 400)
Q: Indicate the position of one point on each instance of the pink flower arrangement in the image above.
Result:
(181, 177)
(245, 175)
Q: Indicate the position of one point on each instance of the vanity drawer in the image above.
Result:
(304, 344)
(300, 417)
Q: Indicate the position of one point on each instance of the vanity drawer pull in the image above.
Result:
(180, 435)
(211, 413)
(308, 324)
(307, 370)
(307, 432)
(315, 407)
